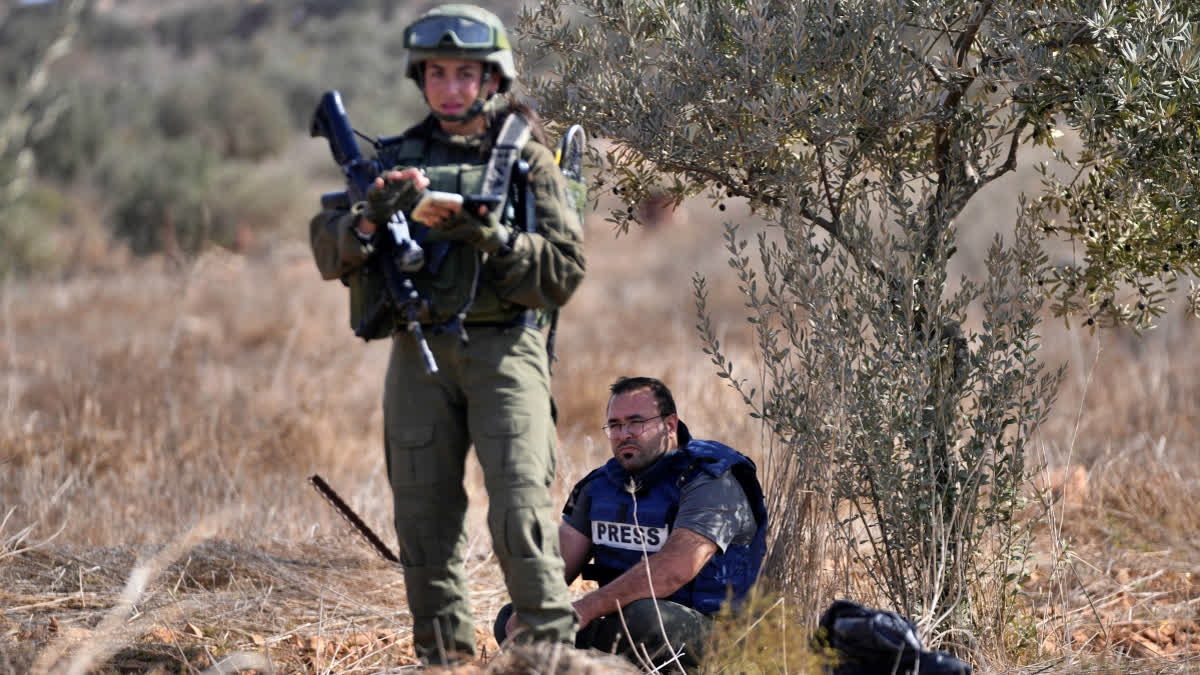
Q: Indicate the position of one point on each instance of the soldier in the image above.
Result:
(673, 527)
(485, 287)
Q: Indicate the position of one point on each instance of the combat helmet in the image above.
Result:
(460, 31)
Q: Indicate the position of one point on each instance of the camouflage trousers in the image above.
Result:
(494, 392)
(686, 631)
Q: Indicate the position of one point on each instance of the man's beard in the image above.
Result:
(642, 455)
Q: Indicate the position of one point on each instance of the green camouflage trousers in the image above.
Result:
(494, 392)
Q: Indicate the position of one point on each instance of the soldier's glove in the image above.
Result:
(394, 196)
(485, 233)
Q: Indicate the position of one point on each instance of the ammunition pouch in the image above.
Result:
(368, 293)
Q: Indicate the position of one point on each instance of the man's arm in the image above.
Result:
(576, 548)
(658, 575)
(335, 248)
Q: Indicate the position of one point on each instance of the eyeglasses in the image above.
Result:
(634, 427)
(453, 31)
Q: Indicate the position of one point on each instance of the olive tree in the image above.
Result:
(859, 130)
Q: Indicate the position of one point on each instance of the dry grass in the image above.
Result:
(136, 404)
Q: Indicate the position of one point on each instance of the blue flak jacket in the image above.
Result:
(622, 535)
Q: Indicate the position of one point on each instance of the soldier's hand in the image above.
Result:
(395, 190)
(484, 232)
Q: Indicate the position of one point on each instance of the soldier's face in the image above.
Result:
(638, 434)
(452, 85)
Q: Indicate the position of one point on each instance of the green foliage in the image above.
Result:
(231, 112)
(859, 131)
(823, 100)
(164, 200)
(354, 54)
(201, 26)
(179, 196)
(164, 108)
(35, 38)
(1132, 201)
(72, 130)
(205, 25)
(27, 246)
(103, 32)
(915, 434)
(25, 35)
(29, 224)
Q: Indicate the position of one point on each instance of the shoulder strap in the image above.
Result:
(569, 507)
(512, 137)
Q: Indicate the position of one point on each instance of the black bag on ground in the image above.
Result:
(874, 642)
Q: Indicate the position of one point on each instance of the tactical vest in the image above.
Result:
(621, 535)
(453, 270)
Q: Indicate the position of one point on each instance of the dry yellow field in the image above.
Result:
(159, 421)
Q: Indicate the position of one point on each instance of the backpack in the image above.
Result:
(870, 641)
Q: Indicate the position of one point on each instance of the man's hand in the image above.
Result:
(395, 190)
(587, 614)
(656, 576)
(510, 626)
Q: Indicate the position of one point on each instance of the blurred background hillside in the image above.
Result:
(167, 352)
(169, 125)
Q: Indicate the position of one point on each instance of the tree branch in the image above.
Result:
(1010, 162)
(962, 45)
(833, 211)
(929, 67)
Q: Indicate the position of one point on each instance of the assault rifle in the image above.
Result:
(395, 257)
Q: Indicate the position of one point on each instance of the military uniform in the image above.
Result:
(492, 389)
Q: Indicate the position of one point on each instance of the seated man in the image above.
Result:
(673, 527)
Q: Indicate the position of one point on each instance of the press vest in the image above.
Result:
(622, 533)
(447, 280)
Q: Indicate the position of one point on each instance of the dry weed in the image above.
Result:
(131, 402)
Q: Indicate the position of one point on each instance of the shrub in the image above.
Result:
(71, 133)
(210, 24)
(105, 32)
(254, 202)
(27, 245)
(236, 113)
(25, 34)
(355, 59)
(164, 198)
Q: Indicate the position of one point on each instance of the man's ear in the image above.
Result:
(672, 422)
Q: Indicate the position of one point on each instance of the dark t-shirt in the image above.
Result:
(714, 507)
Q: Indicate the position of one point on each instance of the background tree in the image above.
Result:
(859, 131)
